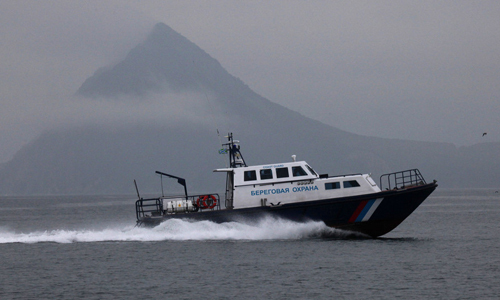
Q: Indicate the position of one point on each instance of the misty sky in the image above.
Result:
(417, 70)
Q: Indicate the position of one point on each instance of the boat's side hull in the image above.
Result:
(373, 214)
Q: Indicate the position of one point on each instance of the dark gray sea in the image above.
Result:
(86, 247)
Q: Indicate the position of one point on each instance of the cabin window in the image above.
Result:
(332, 185)
(282, 172)
(250, 175)
(311, 170)
(350, 184)
(298, 171)
(266, 174)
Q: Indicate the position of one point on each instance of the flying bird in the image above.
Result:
(485, 133)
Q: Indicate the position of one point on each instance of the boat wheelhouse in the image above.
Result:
(292, 182)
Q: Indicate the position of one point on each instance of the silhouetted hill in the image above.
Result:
(165, 62)
(101, 159)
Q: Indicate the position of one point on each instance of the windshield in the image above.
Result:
(311, 170)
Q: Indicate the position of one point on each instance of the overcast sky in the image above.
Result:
(417, 70)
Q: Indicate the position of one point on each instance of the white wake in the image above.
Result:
(181, 230)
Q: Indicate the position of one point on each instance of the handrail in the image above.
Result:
(145, 206)
(153, 207)
(402, 179)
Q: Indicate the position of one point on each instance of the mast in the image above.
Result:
(236, 160)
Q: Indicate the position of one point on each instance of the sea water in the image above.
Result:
(87, 247)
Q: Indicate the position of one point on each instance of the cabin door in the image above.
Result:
(229, 190)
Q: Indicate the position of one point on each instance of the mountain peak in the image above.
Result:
(161, 29)
(165, 61)
(164, 37)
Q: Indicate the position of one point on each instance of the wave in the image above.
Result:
(183, 230)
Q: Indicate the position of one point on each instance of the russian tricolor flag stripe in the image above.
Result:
(365, 210)
(374, 204)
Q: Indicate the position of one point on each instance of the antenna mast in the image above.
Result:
(236, 159)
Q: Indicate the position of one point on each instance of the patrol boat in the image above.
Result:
(294, 191)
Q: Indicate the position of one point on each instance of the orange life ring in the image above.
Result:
(203, 202)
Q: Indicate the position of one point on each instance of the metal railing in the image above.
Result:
(153, 207)
(402, 179)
